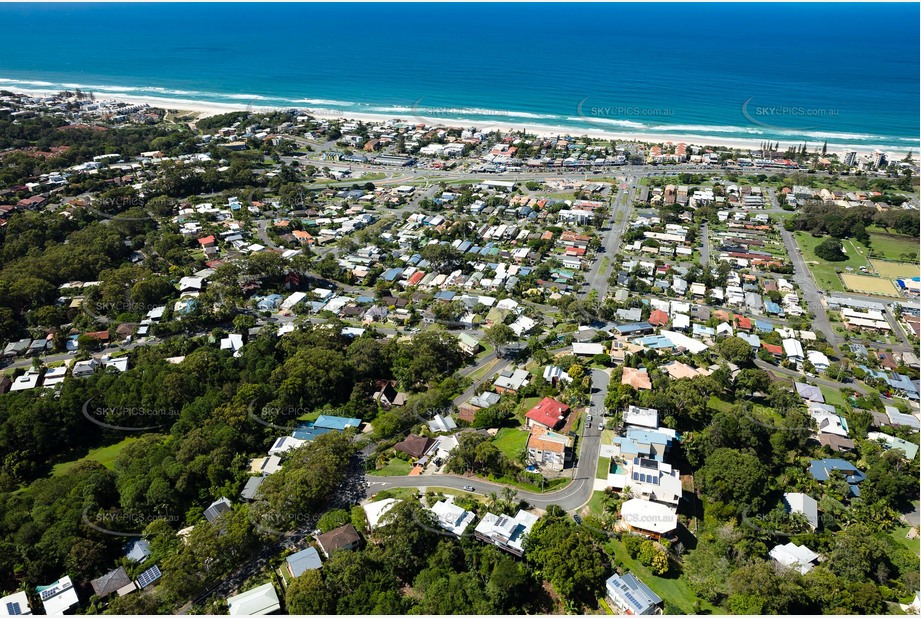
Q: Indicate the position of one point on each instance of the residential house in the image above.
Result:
(632, 597)
(452, 518)
(547, 449)
(649, 518)
(112, 581)
(341, 538)
(637, 378)
(414, 446)
(805, 505)
(376, 512)
(548, 413)
(259, 601)
(506, 532)
(511, 380)
(16, 604)
(793, 556)
(388, 395)
(59, 597)
(305, 560)
(217, 508)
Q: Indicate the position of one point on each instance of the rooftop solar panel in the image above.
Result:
(12, 609)
(149, 576)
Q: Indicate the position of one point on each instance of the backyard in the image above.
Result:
(511, 441)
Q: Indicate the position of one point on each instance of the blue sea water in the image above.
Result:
(845, 73)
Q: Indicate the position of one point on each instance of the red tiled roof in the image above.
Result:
(658, 318)
(776, 350)
(548, 412)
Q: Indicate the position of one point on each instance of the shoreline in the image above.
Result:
(212, 108)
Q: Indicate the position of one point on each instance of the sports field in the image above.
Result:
(869, 285)
(895, 270)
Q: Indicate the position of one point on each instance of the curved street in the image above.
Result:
(571, 497)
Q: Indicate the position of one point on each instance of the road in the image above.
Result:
(796, 375)
(595, 279)
(803, 278)
(704, 245)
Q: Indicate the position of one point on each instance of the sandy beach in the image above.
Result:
(207, 108)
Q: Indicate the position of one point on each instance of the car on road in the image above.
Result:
(469, 488)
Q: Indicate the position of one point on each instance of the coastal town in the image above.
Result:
(272, 362)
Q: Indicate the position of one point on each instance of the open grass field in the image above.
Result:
(511, 441)
(892, 246)
(869, 285)
(825, 273)
(105, 455)
(894, 270)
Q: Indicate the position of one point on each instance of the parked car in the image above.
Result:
(469, 488)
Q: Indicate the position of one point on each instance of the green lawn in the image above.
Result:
(892, 246)
(833, 397)
(397, 493)
(105, 455)
(674, 590)
(604, 266)
(717, 404)
(527, 403)
(607, 436)
(595, 506)
(898, 534)
(394, 467)
(824, 272)
(604, 465)
(511, 441)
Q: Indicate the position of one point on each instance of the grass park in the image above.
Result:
(825, 272)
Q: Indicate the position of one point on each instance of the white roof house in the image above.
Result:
(793, 349)
(644, 515)
(53, 376)
(16, 604)
(641, 417)
(232, 342)
(795, 502)
(376, 511)
(522, 325)
(587, 349)
(285, 444)
(58, 597)
(794, 556)
(506, 532)
(26, 381)
(259, 601)
(292, 300)
(819, 360)
(451, 517)
(683, 341)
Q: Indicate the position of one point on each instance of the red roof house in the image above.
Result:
(658, 318)
(549, 413)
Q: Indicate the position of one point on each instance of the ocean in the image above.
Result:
(842, 73)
